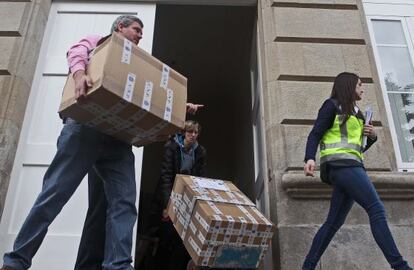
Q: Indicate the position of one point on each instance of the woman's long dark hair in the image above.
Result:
(344, 92)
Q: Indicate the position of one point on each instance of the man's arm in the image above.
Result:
(193, 108)
(78, 59)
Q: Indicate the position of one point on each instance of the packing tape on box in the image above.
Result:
(214, 208)
(202, 222)
(260, 215)
(208, 254)
(233, 198)
(242, 230)
(104, 115)
(229, 229)
(165, 75)
(217, 196)
(215, 230)
(193, 227)
(201, 237)
(126, 52)
(129, 87)
(253, 234)
(186, 200)
(267, 234)
(150, 134)
(244, 210)
(146, 100)
(245, 200)
(118, 124)
(194, 245)
(131, 120)
(181, 219)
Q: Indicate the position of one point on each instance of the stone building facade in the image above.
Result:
(304, 44)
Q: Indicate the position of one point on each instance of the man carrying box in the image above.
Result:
(79, 149)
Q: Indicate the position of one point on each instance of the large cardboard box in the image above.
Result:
(134, 97)
(219, 225)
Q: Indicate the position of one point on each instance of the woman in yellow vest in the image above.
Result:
(339, 130)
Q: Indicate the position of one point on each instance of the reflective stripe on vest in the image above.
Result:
(343, 141)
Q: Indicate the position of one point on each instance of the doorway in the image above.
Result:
(211, 46)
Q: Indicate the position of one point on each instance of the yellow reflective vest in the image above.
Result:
(343, 141)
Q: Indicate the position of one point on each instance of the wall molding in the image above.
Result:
(390, 186)
(311, 78)
(314, 5)
(343, 41)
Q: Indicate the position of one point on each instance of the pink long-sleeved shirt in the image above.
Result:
(78, 54)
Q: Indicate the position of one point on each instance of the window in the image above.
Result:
(391, 27)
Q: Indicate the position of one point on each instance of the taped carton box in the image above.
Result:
(219, 225)
(134, 97)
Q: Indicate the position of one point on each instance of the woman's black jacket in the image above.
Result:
(171, 166)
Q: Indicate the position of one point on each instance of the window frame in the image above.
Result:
(401, 165)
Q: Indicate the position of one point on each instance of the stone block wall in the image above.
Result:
(22, 25)
(305, 44)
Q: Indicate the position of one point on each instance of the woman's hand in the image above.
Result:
(369, 131)
(309, 168)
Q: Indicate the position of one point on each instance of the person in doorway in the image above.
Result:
(92, 245)
(183, 155)
(339, 128)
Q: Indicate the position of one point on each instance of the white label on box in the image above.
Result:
(186, 200)
(214, 207)
(210, 184)
(201, 237)
(202, 221)
(129, 87)
(126, 52)
(165, 75)
(259, 214)
(194, 245)
(254, 221)
(146, 101)
(193, 227)
(169, 105)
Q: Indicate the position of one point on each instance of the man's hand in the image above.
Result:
(193, 108)
(309, 168)
(82, 83)
(369, 131)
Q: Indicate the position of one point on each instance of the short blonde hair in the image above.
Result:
(191, 125)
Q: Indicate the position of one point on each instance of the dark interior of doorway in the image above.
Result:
(211, 46)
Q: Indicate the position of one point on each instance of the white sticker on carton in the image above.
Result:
(186, 200)
(193, 227)
(146, 101)
(259, 214)
(214, 207)
(252, 234)
(217, 217)
(126, 52)
(194, 245)
(215, 231)
(181, 219)
(165, 75)
(210, 183)
(201, 237)
(169, 105)
(129, 87)
(202, 221)
(254, 221)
